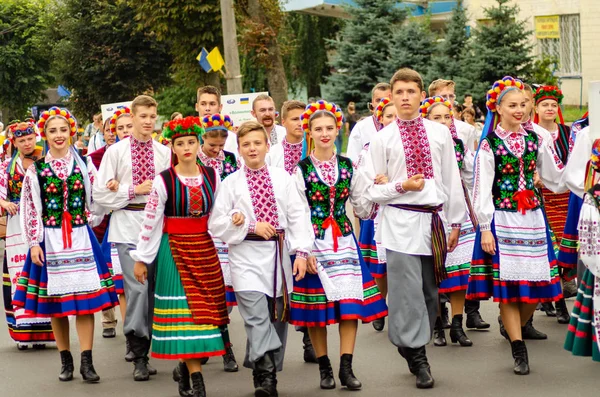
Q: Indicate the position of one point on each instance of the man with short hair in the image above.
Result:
(208, 103)
(93, 128)
(468, 104)
(263, 109)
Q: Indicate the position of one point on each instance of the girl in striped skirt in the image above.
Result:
(189, 299)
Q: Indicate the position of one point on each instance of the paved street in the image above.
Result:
(482, 370)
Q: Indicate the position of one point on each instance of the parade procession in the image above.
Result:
(207, 249)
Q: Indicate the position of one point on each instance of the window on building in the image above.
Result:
(566, 47)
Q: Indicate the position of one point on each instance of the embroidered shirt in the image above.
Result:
(417, 151)
(260, 187)
(142, 161)
(216, 163)
(292, 152)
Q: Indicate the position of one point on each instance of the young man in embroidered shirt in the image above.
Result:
(263, 109)
(123, 183)
(209, 103)
(424, 180)
(259, 212)
(287, 153)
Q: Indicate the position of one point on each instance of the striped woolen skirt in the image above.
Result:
(368, 249)
(556, 206)
(189, 304)
(582, 337)
(567, 255)
(458, 262)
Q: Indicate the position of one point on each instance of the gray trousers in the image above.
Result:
(140, 297)
(412, 299)
(262, 335)
(109, 320)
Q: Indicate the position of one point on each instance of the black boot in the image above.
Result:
(139, 349)
(309, 351)
(519, 352)
(67, 368)
(379, 324)
(181, 375)
(266, 379)
(405, 355)
(439, 336)
(457, 333)
(229, 363)
(87, 370)
(346, 374)
(151, 370)
(529, 332)
(502, 329)
(474, 319)
(548, 308)
(198, 382)
(562, 312)
(129, 356)
(327, 380)
(445, 316)
(420, 367)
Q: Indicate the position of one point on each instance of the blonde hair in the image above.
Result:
(438, 84)
(291, 105)
(261, 97)
(380, 87)
(251, 126)
(143, 100)
(208, 89)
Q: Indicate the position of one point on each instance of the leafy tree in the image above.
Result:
(177, 98)
(122, 62)
(24, 55)
(543, 70)
(449, 63)
(362, 49)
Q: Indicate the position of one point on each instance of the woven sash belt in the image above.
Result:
(135, 207)
(185, 225)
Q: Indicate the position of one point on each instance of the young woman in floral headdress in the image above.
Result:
(513, 259)
(65, 273)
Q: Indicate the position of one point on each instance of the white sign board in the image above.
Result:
(109, 109)
(594, 110)
(239, 106)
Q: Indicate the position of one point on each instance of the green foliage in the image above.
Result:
(362, 49)
(450, 61)
(543, 71)
(24, 55)
(177, 98)
(102, 56)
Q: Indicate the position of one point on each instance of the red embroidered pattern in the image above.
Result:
(262, 195)
(291, 155)
(216, 163)
(453, 130)
(142, 161)
(195, 197)
(378, 125)
(328, 169)
(528, 125)
(417, 152)
(32, 224)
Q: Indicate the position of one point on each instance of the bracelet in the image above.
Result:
(399, 188)
(252, 227)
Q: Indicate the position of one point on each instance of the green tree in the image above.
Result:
(453, 48)
(501, 47)
(121, 63)
(24, 55)
(177, 98)
(362, 49)
(543, 70)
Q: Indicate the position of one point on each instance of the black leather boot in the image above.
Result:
(445, 316)
(439, 336)
(87, 367)
(548, 308)
(309, 351)
(229, 363)
(266, 379)
(129, 356)
(529, 332)
(181, 375)
(474, 319)
(198, 382)
(502, 329)
(519, 352)
(457, 333)
(562, 312)
(67, 368)
(327, 380)
(420, 367)
(139, 348)
(346, 374)
(379, 324)
(151, 370)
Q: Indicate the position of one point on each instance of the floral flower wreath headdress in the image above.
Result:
(217, 122)
(121, 111)
(548, 92)
(53, 112)
(188, 126)
(18, 129)
(383, 103)
(321, 106)
(494, 97)
(429, 103)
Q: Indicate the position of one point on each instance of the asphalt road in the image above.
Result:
(482, 370)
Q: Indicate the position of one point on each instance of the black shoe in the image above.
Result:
(67, 368)
(529, 332)
(151, 370)
(548, 308)
(204, 360)
(474, 321)
(309, 351)
(457, 333)
(439, 336)
(265, 379)
(562, 312)
(379, 324)
(502, 329)
(22, 346)
(424, 378)
(327, 380)
(87, 370)
(569, 289)
(229, 363)
(39, 346)
(129, 356)
(445, 317)
(140, 370)
(181, 375)
(519, 352)
(420, 367)
(198, 382)
(109, 333)
(346, 374)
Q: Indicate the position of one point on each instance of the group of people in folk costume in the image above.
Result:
(257, 219)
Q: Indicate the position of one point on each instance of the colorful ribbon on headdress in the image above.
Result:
(383, 103)
(121, 111)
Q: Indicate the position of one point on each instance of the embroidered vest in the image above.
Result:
(184, 201)
(52, 196)
(459, 149)
(15, 182)
(506, 177)
(229, 164)
(321, 197)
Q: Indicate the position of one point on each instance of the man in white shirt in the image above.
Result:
(364, 129)
(93, 129)
(418, 158)
(209, 103)
(123, 184)
(263, 109)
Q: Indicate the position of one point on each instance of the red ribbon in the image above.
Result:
(335, 230)
(67, 229)
(524, 200)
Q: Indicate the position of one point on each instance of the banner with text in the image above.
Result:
(239, 106)
(547, 27)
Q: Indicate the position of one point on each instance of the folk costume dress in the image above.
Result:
(224, 165)
(189, 300)
(74, 279)
(524, 268)
(24, 328)
(343, 289)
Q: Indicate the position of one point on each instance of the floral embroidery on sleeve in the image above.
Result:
(32, 222)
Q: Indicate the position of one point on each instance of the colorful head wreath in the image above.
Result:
(428, 104)
(548, 92)
(217, 122)
(319, 107)
(188, 126)
(494, 97)
(121, 111)
(19, 129)
(593, 166)
(163, 141)
(56, 112)
(383, 103)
